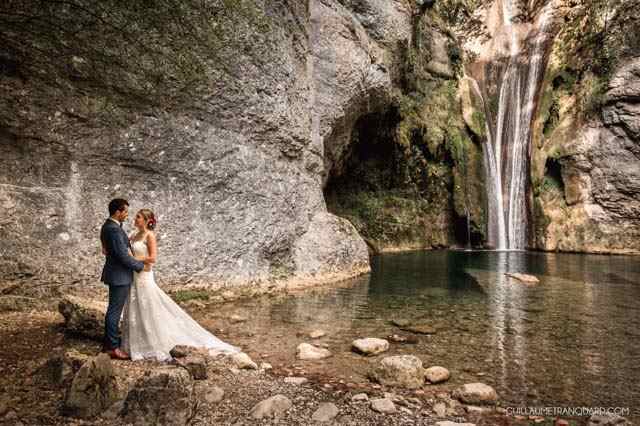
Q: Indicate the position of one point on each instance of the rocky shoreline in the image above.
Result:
(51, 374)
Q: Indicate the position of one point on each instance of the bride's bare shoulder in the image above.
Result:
(151, 236)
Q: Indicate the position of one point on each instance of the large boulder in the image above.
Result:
(94, 388)
(164, 396)
(402, 370)
(83, 317)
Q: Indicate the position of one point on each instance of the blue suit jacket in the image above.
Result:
(119, 265)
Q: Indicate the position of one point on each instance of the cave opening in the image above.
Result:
(553, 175)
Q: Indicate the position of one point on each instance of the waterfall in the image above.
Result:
(506, 154)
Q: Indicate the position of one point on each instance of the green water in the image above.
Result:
(572, 340)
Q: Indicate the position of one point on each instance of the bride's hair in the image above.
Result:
(149, 217)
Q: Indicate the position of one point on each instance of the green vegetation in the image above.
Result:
(186, 295)
(595, 36)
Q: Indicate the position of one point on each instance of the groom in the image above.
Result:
(117, 273)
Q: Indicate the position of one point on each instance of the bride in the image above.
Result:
(154, 323)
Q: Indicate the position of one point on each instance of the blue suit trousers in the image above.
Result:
(117, 298)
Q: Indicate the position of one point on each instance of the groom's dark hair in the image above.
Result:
(117, 204)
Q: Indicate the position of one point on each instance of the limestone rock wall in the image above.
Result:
(236, 182)
(597, 205)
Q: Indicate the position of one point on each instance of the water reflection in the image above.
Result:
(571, 340)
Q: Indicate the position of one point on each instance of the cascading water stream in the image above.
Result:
(519, 154)
(507, 151)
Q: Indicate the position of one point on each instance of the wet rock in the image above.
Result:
(275, 407)
(476, 394)
(164, 396)
(296, 380)
(449, 423)
(370, 346)
(83, 317)
(527, 279)
(242, 361)
(360, 397)
(437, 374)
(305, 351)
(195, 365)
(420, 329)
(396, 338)
(401, 322)
(266, 366)
(316, 334)
(94, 388)
(402, 370)
(325, 413)
(383, 405)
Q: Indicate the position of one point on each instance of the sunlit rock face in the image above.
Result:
(597, 206)
(235, 182)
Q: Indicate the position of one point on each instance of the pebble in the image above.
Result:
(296, 380)
(360, 397)
(383, 405)
(325, 413)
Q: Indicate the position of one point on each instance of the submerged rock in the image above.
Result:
(401, 370)
(316, 334)
(370, 346)
(305, 351)
(420, 329)
(476, 394)
(401, 322)
(527, 279)
(396, 338)
(437, 374)
(275, 407)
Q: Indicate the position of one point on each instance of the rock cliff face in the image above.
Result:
(236, 181)
(589, 174)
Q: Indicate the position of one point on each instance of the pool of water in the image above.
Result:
(572, 340)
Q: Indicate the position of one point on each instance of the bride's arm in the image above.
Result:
(153, 251)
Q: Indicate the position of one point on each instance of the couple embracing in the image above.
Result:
(153, 322)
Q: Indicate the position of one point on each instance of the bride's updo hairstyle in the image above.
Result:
(149, 217)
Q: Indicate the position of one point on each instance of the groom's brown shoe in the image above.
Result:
(118, 353)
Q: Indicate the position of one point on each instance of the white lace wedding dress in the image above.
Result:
(154, 323)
